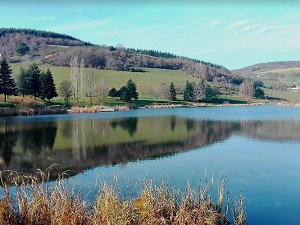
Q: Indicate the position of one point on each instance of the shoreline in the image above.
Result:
(35, 111)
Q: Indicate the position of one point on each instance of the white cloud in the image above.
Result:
(238, 24)
(215, 22)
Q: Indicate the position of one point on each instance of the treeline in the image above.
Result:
(122, 60)
(38, 42)
(154, 53)
(38, 33)
(169, 55)
(31, 81)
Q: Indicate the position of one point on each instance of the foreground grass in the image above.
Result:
(36, 202)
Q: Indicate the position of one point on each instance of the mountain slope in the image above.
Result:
(58, 49)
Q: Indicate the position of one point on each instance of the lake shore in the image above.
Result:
(34, 111)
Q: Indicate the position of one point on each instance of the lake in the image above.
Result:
(256, 147)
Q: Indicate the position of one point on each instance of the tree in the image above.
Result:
(102, 89)
(7, 83)
(203, 91)
(199, 91)
(33, 74)
(82, 79)
(247, 89)
(91, 84)
(22, 48)
(172, 92)
(259, 93)
(188, 91)
(131, 91)
(113, 92)
(48, 89)
(156, 92)
(75, 77)
(65, 90)
(122, 93)
(23, 82)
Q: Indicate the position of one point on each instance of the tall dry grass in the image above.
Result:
(34, 201)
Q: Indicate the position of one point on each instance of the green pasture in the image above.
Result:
(146, 80)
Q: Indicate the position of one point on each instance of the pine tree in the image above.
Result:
(47, 86)
(131, 91)
(34, 80)
(7, 83)
(172, 92)
(23, 82)
(188, 91)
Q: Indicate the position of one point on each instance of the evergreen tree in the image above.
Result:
(122, 93)
(22, 49)
(23, 82)
(34, 80)
(7, 83)
(112, 92)
(188, 91)
(131, 91)
(172, 92)
(259, 93)
(47, 86)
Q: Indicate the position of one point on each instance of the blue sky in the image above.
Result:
(229, 33)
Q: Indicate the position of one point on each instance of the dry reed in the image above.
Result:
(35, 201)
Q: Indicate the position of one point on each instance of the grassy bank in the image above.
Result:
(36, 202)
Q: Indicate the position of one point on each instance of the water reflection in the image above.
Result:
(82, 144)
(128, 124)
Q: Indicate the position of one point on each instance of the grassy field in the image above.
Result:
(290, 76)
(145, 80)
(289, 95)
(149, 78)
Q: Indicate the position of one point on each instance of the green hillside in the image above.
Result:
(145, 80)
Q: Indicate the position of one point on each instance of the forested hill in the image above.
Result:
(58, 49)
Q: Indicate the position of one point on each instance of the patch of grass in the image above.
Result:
(229, 99)
(288, 95)
(37, 202)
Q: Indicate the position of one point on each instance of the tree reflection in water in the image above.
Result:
(83, 144)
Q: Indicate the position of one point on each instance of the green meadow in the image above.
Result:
(145, 80)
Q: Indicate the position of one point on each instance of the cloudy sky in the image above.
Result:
(229, 33)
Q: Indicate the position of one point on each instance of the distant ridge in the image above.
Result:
(269, 66)
(38, 33)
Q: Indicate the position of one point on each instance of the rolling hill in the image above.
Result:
(58, 49)
(286, 72)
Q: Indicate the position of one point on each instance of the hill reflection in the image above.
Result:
(78, 145)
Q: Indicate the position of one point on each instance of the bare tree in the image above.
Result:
(156, 92)
(74, 77)
(82, 79)
(91, 84)
(247, 89)
(102, 89)
(199, 91)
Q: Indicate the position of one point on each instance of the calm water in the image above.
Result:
(257, 148)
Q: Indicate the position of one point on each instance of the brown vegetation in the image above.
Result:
(36, 202)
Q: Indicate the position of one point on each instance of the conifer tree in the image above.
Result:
(131, 91)
(7, 83)
(47, 88)
(34, 80)
(172, 92)
(23, 82)
(188, 91)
